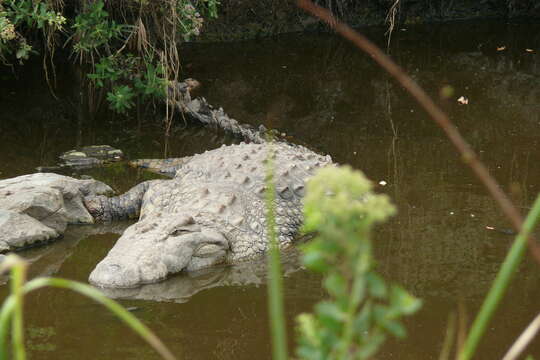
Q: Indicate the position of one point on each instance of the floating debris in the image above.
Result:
(463, 100)
(85, 157)
(502, 231)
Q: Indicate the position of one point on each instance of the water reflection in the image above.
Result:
(321, 92)
(182, 287)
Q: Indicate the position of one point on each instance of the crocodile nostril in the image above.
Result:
(114, 267)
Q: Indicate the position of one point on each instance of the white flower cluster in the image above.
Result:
(7, 30)
(56, 19)
(194, 18)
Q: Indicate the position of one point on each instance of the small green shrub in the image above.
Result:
(129, 47)
(362, 308)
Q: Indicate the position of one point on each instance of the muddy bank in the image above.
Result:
(246, 19)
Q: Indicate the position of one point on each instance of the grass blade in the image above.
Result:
(275, 282)
(500, 284)
(88, 291)
(18, 276)
(448, 338)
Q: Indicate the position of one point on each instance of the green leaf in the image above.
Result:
(336, 285)
(315, 261)
(22, 54)
(362, 322)
(403, 301)
(330, 316)
(307, 326)
(371, 345)
(395, 328)
(376, 285)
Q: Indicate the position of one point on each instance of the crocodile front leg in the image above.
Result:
(125, 206)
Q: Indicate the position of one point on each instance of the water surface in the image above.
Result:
(319, 91)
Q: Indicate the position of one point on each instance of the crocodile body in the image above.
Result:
(211, 212)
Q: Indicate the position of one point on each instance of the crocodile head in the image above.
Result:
(154, 247)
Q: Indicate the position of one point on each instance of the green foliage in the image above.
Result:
(105, 70)
(129, 77)
(362, 309)
(94, 29)
(120, 98)
(19, 16)
(34, 14)
(129, 46)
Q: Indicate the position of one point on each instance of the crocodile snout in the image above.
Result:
(115, 275)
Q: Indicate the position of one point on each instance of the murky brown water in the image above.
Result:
(322, 92)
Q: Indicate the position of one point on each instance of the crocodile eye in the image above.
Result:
(208, 250)
(179, 232)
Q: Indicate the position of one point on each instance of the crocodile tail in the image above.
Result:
(200, 110)
(166, 167)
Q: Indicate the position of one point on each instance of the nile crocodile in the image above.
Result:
(211, 212)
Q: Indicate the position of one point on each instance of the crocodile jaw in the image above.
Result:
(149, 251)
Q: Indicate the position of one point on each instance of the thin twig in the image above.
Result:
(524, 339)
(467, 154)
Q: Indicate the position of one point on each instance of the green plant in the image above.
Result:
(524, 239)
(129, 47)
(20, 16)
(275, 282)
(12, 308)
(121, 98)
(500, 284)
(362, 308)
(94, 29)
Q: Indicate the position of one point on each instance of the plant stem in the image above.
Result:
(7, 311)
(357, 293)
(275, 282)
(18, 277)
(508, 269)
